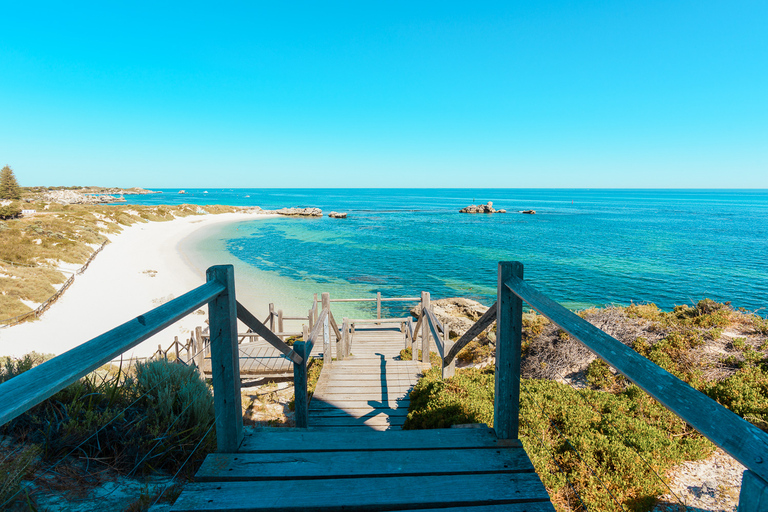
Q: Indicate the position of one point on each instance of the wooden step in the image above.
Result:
(364, 494)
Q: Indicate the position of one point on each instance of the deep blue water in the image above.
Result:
(583, 247)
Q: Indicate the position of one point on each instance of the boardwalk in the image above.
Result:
(370, 388)
(355, 457)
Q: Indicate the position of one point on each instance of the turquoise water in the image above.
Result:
(583, 247)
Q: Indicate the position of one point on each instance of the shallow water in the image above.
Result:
(583, 247)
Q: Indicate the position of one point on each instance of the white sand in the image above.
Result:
(141, 269)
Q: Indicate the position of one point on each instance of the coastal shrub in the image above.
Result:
(16, 464)
(407, 355)
(475, 351)
(574, 437)
(150, 420)
(745, 392)
(10, 211)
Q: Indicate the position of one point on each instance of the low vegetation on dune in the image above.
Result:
(595, 438)
(33, 249)
(157, 417)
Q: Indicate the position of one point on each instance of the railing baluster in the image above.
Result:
(509, 327)
(424, 330)
(327, 355)
(225, 361)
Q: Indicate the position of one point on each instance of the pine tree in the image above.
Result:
(9, 187)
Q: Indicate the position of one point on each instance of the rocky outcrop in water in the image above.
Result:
(337, 215)
(481, 208)
(72, 197)
(295, 212)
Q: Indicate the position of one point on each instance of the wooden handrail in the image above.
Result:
(262, 330)
(742, 440)
(432, 323)
(473, 332)
(28, 389)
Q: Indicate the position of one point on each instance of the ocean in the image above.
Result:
(582, 247)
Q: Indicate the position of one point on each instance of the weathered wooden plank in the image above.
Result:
(506, 407)
(402, 403)
(354, 412)
(33, 386)
(537, 506)
(266, 466)
(225, 364)
(346, 420)
(299, 440)
(362, 493)
(742, 440)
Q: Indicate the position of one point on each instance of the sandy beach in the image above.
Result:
(139, 270)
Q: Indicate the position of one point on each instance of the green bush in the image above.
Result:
(149, 421)
(609, 431)
(10, 211)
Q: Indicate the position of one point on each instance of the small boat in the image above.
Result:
(205, 192)
(529, 212)
(247, 196)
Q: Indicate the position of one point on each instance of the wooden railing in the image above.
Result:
(19, 394)
(742, 440)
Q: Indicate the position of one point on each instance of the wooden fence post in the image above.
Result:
(280, 323)
(310, 319)
(509, 330)
(327, 355)
(271, 317)
(424, 330)
(450, 370)
(316, 313)
(300, 400)
(754, 493)
(378, 306)
(225, 361)
(345, 337)
(304, 332)
(199, 348)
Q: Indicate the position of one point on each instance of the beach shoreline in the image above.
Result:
(143, 267)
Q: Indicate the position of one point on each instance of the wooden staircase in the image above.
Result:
(355, 457)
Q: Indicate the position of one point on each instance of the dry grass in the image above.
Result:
(31, 248)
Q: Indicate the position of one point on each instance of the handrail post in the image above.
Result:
(310, 319)
(271, 317)
(300, 398)
(378, 306)
(280, 323)
(327, 355)
(345, 337)
(316, 313)
(754, 493)
(424, 330)
(509, 327)
(450, 370)
(225, 361)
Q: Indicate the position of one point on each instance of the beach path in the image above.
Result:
(355, 456)
(370, 388)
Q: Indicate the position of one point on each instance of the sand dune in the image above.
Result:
(141, 269)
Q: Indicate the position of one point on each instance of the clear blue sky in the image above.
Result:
(386, 94)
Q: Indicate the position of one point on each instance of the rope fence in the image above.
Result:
(9, 322)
